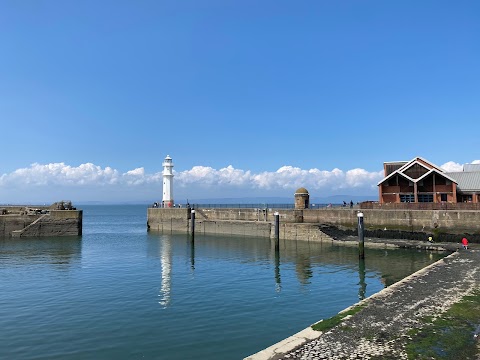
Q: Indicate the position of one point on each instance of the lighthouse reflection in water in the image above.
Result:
(166, 264)
(122, 292)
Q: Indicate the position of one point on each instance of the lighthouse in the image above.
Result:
(167, 200)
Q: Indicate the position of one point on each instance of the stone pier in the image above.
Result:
(379, 330)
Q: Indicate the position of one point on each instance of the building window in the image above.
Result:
(443, 197)
(407, 198)
(425, 198)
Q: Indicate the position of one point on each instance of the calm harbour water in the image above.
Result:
(119, 292)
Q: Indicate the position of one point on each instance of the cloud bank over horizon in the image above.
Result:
(90, 182)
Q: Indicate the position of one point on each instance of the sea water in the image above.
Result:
(120, 292)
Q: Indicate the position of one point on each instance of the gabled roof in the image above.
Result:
(420, 178)
(396, 172)
(416, 160)
(432, 168)
(445, 175)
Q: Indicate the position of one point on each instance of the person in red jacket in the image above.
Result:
(465, 243)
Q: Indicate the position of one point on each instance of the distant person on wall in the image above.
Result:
(351, 204)
(465, 243)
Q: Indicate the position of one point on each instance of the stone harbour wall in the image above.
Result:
(307, 224)
(238, 228)
(168, 220)
(55, 223)
(10, 223)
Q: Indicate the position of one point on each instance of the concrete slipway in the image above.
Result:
(380, 328)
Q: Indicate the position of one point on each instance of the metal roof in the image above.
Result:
(466, 181)
(471, 167)
(396, 162)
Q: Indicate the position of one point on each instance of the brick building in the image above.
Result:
(420, 181)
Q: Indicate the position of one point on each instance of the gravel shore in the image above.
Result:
(379, 330)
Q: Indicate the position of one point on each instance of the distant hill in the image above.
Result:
(334, 199)
(339, 199)
(244, 200)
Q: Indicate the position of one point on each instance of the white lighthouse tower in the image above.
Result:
(167, 182)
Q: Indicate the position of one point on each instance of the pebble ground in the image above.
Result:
(379, 331)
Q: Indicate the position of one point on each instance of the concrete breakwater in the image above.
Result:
(319, 224)
(223, 223)
(36, 221)
(379, 329)
(383, 326)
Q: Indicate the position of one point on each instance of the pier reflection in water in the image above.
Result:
(310, 262)
(123, 293)
(235, 281)
(60, 253)
(362, 284)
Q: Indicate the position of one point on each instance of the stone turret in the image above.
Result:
(302, 199)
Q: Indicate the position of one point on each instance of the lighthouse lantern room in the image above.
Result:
(167, 200)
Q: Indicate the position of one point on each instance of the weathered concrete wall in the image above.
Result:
(291, 231)
(226, 227)
(56, 223)
(168, 220)
(237, 214)
(241, 222)
(259, 222)
(451, 221)
(10, 223)
(455, 221)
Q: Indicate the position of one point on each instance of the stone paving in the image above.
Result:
(379, 331)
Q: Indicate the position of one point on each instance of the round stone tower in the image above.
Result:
(167, 200)
(302, 199)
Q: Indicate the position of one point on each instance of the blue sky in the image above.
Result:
(94, 94)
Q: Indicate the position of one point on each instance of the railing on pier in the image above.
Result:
(255, 206)
(420, 206)
(266, 206)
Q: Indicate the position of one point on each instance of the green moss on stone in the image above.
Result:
(449, 336)
(330, 323)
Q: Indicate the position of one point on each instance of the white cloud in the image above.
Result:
(288, 177)
(58, 180)
(452, 166)
(88, 181)
(60, 174)
(360, 178)
(136, 172)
